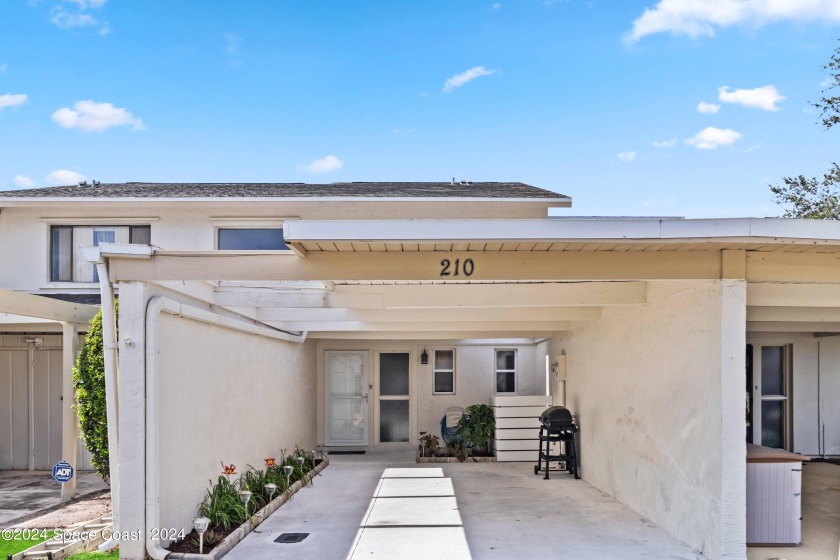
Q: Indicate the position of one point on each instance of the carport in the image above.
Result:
(36, 366)
(650, 315)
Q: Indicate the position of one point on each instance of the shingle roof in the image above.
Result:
(288, 190)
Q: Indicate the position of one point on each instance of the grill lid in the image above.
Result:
(556, 416)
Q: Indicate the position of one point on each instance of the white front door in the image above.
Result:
(347, 404)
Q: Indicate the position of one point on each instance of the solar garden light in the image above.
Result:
(245, 497)
(300, 460)
(271, 488)
(287, 470)
(200, 524)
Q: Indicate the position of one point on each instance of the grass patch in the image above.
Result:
(113, 555)
(9, 547)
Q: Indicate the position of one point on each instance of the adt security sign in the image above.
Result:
(63, 471)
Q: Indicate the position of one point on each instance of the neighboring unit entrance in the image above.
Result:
(347, 398)
(394, 396)
(31, 404)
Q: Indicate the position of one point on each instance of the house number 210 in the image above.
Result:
(449, 268)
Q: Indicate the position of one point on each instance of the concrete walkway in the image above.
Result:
(505, 511)
(24, 494)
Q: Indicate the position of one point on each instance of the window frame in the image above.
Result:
(515, 371)
(218, 232)
(435, 371)
(72, 227)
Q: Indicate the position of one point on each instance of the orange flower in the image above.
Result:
(229, 469)
(270, 462)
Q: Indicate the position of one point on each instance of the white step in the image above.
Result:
(531, 445)
(522, 433)
(532, 422)
(541, 400)
(519, 411)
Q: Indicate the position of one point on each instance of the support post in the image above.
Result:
(69, 421)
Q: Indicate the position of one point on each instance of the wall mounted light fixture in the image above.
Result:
(424, 357)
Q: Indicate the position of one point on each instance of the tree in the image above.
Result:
(816, 198)
(89, 381)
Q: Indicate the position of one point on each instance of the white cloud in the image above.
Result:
(3, 68)
(323, 165)
(711, 138)
(23, 182)
(12, 100)
(626, 157)
(65, 177)
(91, 116)
(759, 98)
(85, 4)
(708, 108)
(403, 131)
(458, 80)
(67, 20)
(233, 43)
(659, 144)
(696, 18)
(496, 6)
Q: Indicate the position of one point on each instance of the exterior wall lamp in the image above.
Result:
(424, 357)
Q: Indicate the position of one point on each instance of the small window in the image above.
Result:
(506, 371)
(67, 263)
(444, 372)
(238, 239)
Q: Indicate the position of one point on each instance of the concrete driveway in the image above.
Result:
(498, 511)
(24, 494)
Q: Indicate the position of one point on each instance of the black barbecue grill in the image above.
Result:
(557, 427)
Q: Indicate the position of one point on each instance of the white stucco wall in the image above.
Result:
(474, 377)
(658, 391)
(226, 396)
(24, 232)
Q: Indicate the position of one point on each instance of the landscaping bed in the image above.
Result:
(223, 537)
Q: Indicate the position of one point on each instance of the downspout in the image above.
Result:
(109, 343)
(156, 306)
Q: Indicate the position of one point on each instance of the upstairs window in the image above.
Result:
(66, 261)
(506, 371)
(242, 239)
(444, 372)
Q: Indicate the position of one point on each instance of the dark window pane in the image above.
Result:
(505, 359)
(444, 359)
(773, 423)
(393, 421)
(393, 374)
(140, 235)
(251, 240)
(444, 382)
(61, 257)
(772, 370)
(505, 382)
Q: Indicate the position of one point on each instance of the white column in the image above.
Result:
(69, 421)
(733, 419)
(132, 417)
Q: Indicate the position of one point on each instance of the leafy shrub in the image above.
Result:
(477, 426)
(89, 382)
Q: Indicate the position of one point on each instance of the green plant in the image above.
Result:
(429, 445)
(477, 426)
(222, 506)
(456, 449)
(254, 481)
(211, 539)
(89, 382)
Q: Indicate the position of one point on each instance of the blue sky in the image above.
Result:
(594, 99)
